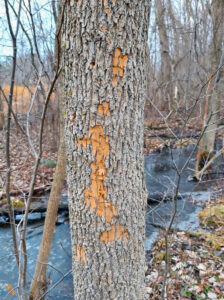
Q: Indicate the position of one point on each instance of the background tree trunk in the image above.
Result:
(2, 116)
(39, 283)
(216, 55)
(105, 86)
(166, 63)
(212, 104)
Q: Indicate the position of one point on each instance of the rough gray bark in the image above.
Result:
(104, 61)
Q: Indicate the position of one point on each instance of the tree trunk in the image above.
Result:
(208, 140)
(164, 50)
(2, 120)
(212, 104)
(216, 56)
(105, 87)
(2, 116)
(39, 284)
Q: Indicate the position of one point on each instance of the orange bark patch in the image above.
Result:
(84, 141)
(81, 253)
(119, 63)
(100, 143)
(103, 109)
(115, 233)
(96, 195)
(107, 10)
(102, 28)
(107, 210)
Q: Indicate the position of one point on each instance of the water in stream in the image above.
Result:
(160, 181)
(60, 260)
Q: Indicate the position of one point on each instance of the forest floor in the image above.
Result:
(22, 165)
(195, 269)
(195, 260)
